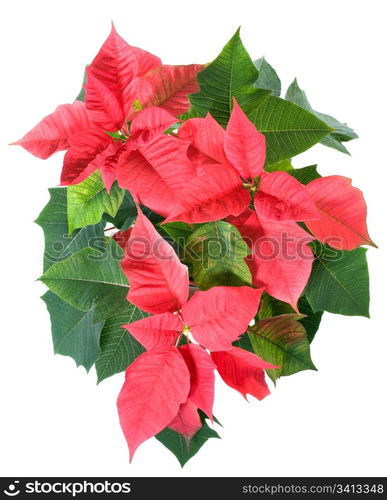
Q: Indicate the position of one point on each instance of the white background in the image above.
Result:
(54, 419)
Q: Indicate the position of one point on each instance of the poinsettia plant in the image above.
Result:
(183, 242)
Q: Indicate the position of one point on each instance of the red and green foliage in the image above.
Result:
(219, 255)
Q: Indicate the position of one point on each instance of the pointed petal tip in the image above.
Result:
(131, 455)
(139, 211)
(372, 244)
(168, 219)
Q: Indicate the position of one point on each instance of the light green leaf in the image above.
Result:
(339, 281)
(268, 78)
(231, 74)
(182, 448)
(269, 307)
(91, 278)
(118, 348)
(217, 252)
(283, 166)
(288, 128)
(298, 96)
(88, 200)
(73, 332)
(58, 243)
(340, 133)
(282, 341)
(305, 174)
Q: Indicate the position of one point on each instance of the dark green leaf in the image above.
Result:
(339, 281)
(231, 74)
(91, 278)
(182, 448)
(305, 174)
(217, 252)
(244, 343)
(340, 133)
(58, 243)
(288, 128)
(126, 214)
(282, 341)
(118, 348)
(311, 321)
(152, 216)
(88, 200)
(268, 78)
(73, 332)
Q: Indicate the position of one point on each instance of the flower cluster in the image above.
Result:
(201, 175)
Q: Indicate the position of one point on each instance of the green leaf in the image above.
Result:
(305, 174)
(311, 321)
(182, 448)
(58, 243)
(298, 96)
(268, 78)
(126, 214)
(73, 332)
(289, 129)
(283, 166)
(118, 348)
(180, 231)
(339, 281)
(282, 341)
(340, 133)
(81, 96)
(91, 278)
(152, 216)
(231, 74)
(331, 142)
(244, 343)
(88, 200)
(217, 252)
(269, 307)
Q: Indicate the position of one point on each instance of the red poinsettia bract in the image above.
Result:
(130, 127)
(123, 83)
(213, 319)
